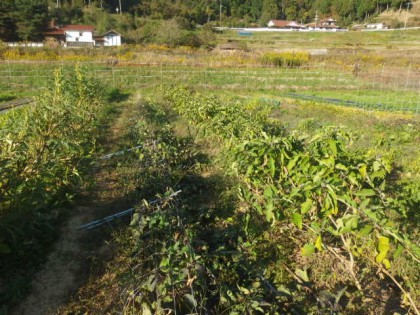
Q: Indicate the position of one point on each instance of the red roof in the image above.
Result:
(80, 28)
(282, 23)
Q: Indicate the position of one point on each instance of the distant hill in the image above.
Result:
(399, 17)
(27, 19)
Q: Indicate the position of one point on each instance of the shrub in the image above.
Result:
(285, 59)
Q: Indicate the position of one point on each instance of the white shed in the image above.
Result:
(112, 38)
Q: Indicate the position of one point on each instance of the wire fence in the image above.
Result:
(382, 88)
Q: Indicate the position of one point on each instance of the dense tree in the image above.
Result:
(23, 19)
(67, 14)
(7, 20)
(26, 19)
(270, 10)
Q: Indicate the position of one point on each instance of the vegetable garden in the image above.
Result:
(251, 195)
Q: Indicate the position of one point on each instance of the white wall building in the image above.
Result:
(376, 26)
(79, 35)
(82, 36)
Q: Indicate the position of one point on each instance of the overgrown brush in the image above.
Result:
(298, 226)
(313, 198)
(46, 152)
(285, 59)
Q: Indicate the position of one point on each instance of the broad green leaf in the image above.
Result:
(352, 178)
(383, 248)
(341, 167)
(318, 243)
(333, 146)
(415, 249)
(308, 250)
(386, 263)
(306, 206)
(364, 204)
(297, 220)
(303, 274)
(377, 166)
(268, 192)
(398, 251)
(365, 193)
(292, 163)
(244, 290)
(366, 230)
(269, 214)
(347, 200)
(349, 223)
(363, 170)
(145, 309)
(164, 262)
(378, 174)
(250, 170)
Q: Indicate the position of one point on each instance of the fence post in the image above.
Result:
(161, 75)
(408, 77)
(10, 74)
(113, 78)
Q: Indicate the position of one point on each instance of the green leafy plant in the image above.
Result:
(285, 59)
(328, 196)
(46, 153)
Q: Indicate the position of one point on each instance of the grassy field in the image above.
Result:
(383, 91)
(387, 65)
(383, 41)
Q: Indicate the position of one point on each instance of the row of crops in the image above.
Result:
(266, 221)
(46, 154)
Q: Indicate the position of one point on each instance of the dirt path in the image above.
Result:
(69, 264)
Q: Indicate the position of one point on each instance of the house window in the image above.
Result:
(80, 34)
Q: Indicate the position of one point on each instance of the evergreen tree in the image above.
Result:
(31, 19)
(7, 20)
(270, 10)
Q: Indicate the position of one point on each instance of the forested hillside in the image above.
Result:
(26, 19)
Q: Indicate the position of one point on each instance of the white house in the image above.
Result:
(376, 26)
(82, 36)
(329, 24)
(291, 25)
(79, 35)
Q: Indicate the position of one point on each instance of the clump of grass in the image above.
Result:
(285, 59)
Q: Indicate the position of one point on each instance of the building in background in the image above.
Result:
(81, 36)
(110, 38)
(291, 25)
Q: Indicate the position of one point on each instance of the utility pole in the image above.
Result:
(120, 7)
(220, 14)
(406, 15)
(316, 18)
